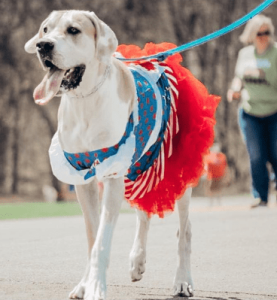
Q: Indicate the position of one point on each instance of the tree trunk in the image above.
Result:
(4, 134)
(52, 129)
(15, 145)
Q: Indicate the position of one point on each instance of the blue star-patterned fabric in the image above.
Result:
(146, 161)
(88, 160)
(147, 109)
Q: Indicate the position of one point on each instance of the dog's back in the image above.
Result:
(195, 113)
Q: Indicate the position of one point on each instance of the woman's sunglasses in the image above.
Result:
(267, 32)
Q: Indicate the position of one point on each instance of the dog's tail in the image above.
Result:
(196, 115)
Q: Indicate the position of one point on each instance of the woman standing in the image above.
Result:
(255, 83)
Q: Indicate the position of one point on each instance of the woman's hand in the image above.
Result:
(232, 95)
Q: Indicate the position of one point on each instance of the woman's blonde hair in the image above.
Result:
(252, 27)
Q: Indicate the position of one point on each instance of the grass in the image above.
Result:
(42, 210)
(38, 210)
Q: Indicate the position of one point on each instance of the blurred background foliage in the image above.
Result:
(26, 129)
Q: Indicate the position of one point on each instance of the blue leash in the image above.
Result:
(163, 55)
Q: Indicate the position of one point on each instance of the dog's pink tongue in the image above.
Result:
(49, 86)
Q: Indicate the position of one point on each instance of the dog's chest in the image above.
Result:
(141, 144)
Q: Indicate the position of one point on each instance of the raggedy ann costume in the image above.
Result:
(167, 135)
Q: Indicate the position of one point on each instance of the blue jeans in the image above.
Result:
(260, 135)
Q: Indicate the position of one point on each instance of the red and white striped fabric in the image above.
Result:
(146, 181)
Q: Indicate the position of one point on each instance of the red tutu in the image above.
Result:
(196, 114)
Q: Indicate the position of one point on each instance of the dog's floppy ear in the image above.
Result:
(31, 45)
(106, 41)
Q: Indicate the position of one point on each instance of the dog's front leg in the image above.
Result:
(138, 252)
(183, 285)
(88, 197)
(112, 199)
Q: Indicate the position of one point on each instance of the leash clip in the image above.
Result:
(163, 57)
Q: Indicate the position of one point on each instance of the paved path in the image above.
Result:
(234, 255)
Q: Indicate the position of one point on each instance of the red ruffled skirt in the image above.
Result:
(196, 114)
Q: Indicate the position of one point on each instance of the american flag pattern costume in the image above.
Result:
(147, 164)
(167, 135)
(147, 169)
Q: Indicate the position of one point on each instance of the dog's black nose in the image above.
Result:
(45, 46)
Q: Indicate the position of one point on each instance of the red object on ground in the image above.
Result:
(216, 165)
(196, 115)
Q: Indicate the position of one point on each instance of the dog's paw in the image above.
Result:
(78, 292)
(183, 286)
(182, 290)
(137, 264)
(95, 290)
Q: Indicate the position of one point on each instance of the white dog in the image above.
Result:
(98, 95)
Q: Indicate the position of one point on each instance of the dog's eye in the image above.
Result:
(45, 29)
(73, 30)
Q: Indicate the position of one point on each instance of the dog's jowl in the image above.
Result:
(140, 128)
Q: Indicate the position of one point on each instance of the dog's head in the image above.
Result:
(67, 42)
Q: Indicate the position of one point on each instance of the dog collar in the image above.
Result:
(95, 88)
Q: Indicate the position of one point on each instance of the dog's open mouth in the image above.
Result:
(72, 77)
(57, 79)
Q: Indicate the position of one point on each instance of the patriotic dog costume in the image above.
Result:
(141, 128)
(143, 155)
